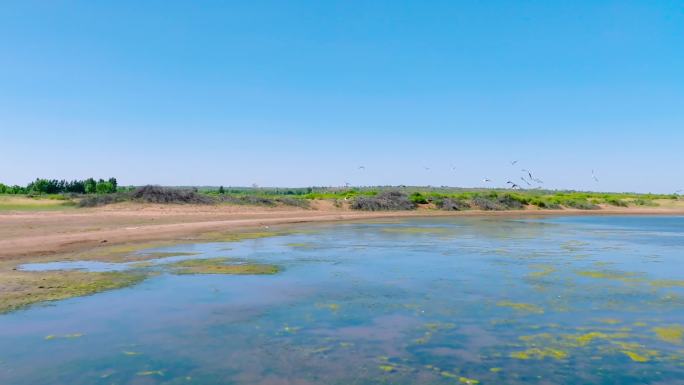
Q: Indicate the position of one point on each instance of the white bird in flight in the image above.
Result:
(594, 176)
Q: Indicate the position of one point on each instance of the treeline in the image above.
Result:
(54, 186)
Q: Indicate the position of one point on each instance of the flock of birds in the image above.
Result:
(527, 178)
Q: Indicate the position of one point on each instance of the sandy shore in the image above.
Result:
(25, 234)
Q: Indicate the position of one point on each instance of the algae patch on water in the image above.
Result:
(521, 307)
(222, 266)
(539, 354)
(20, 289)
(672, 333)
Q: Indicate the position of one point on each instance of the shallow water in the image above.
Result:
(591, 300)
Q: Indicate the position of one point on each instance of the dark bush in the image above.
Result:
(251, 200)
(158, 194)
(511, 202)
(546, 204)
(103, 199)
(384, 201)
(493, 202)
(486, 203)
(616, 202)
(451, 204)
(302, 203)
(581, 204)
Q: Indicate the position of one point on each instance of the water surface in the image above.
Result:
(571, 300)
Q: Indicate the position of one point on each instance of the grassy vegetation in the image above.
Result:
(358, 198)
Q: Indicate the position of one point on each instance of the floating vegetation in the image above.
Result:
(416, 230)
(539, 354)
(65, 336)
(333, 307)
(222, 266)
(609, 321)
(151, 373)
(468, 381)
(129, 353)
(612, 275)
(521, 307)
(242, 236)
(541, 271)
(672, 333)
(21, 288)
(636, 352)
(301, 245)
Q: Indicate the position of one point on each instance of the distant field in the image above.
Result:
(24, 203)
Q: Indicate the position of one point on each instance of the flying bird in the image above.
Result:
(525, 180)
(426, 168)
(362, 167)
(486, 180)
(514, 162)
(513, 185)
(533, 179)
(594, 176)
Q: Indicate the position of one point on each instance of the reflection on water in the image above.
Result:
(591, 300)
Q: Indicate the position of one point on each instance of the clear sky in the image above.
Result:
(302, 93)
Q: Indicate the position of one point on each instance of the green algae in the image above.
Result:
(672, 333)
(151, 373)
(242, 236)
(301, 245)
(65, 336)
(21, 289)
(222, 266)
(468, 381)
(609, 321)
(610, 275)
(634, 356)
(541, 271)
(521, 307)
(416, 230)
(539, 354)
(333, 307)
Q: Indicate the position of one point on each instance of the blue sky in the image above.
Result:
(301, 93)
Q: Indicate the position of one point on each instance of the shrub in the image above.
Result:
(545, 204)
(645, 202)
(581, 204)
(253, 200)
(384, 201)
(418, 198)
(158, 194)
(302, 203)
(102, 199)
(616, 202)
(512, 202)
(450, 204)
(486, 203)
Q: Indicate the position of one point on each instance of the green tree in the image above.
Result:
(90, 186)
(221, 190)
(114, 184)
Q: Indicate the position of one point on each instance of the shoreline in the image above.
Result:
(54, 233)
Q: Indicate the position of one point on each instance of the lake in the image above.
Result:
(563, 300)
